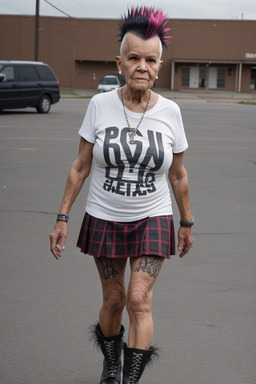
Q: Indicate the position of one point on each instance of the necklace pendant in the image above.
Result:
(132, 139)
(131, 134)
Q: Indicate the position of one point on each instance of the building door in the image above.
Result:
(212, 77)
(203, 77)
(194, 77)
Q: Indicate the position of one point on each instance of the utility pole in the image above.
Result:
(37, 30)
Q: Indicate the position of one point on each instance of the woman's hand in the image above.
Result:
(185, 240)
(58, 238)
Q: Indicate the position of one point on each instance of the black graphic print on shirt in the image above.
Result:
(135, 175)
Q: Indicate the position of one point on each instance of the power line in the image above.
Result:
(85, 8)
(58, 9)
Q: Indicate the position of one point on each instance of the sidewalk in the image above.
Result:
(209, 96)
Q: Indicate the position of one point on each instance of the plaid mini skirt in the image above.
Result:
(150, 236)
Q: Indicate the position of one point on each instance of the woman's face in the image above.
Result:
(139, 61)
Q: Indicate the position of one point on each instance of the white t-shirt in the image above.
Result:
(129, 181)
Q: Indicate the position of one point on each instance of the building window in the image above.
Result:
(221, 77)
(185, 77)
(253, 79)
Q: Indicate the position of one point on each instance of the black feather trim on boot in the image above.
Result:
(111, 348)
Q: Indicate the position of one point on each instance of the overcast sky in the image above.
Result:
(197, 9)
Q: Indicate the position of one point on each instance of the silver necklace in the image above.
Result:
(133, 131)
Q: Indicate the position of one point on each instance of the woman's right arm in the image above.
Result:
(79, 171)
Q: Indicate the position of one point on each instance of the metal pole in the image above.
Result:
(37, 30)
(172, 75)
(240, 77)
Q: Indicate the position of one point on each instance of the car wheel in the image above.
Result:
(44, 105)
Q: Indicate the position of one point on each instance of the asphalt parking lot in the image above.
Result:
(203, 306)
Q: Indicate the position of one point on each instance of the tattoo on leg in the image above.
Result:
(150, 264)
(106, 268)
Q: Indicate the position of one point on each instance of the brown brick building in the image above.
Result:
(204, 54)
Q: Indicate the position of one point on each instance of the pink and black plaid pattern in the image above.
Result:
(150, 236)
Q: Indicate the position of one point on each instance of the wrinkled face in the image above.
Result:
(139, 61)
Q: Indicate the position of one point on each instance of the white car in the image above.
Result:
(108, 83)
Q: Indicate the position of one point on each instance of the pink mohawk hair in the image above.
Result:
(145, 22)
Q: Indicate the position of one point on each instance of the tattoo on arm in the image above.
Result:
(106, 268)
(150, 264)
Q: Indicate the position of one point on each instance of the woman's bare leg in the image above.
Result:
(144, 272)
(112, 276)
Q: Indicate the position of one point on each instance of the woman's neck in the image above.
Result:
(136, 100)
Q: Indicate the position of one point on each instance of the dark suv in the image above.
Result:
(28, 84)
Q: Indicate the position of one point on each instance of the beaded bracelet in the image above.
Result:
(62, 217)
(188, 223)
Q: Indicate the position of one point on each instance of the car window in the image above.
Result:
(103, 81)
(8, 73)
(109, 80)
(113, 81)
(45, 73)
(28, 73)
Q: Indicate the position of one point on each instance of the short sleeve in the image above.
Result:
(87, 129)
(180, 141)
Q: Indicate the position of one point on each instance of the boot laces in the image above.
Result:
(135, 368)
(111, 358)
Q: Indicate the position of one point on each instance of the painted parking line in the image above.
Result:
(27, 149)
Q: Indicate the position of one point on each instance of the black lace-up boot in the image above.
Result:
(135, 361)
(111, 348)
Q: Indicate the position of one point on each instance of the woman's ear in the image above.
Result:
(160, 66)
(119, 63)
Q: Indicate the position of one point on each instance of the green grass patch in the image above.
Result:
(248, 102)
(67, 92)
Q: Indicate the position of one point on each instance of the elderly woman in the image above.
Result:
(137, 140)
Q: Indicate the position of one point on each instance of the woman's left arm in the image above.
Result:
(179, 182)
